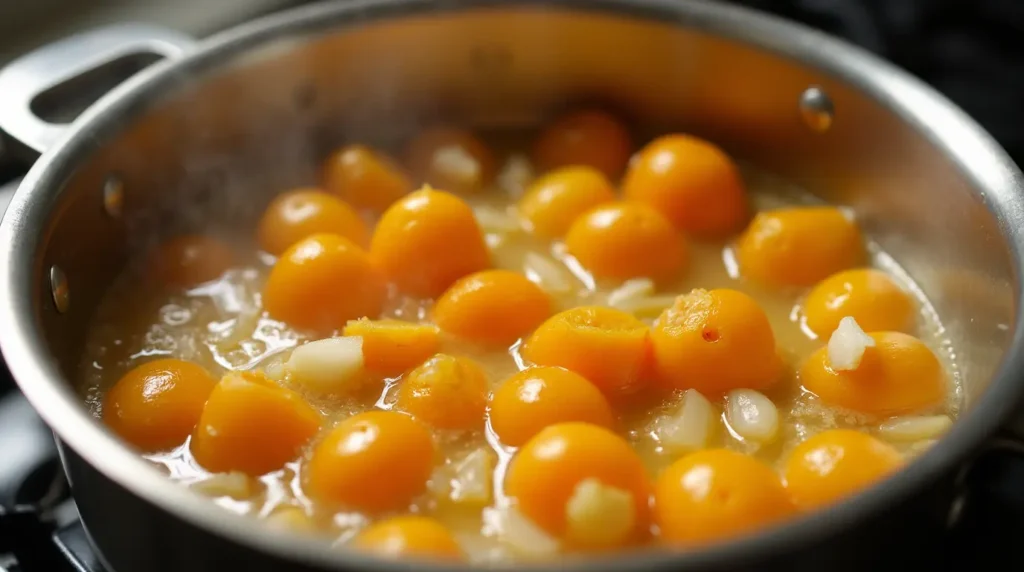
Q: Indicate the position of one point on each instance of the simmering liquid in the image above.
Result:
(222, 325)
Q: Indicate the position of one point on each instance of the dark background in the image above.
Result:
(970, 50)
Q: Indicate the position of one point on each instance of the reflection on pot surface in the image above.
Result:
(517, 346)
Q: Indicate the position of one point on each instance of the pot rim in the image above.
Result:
(966, 144)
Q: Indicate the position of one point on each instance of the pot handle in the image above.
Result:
(24, 79)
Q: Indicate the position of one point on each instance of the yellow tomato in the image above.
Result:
(715, 341)
(252, 425)
(690, 181)
(547, 474)
(375, 461)
(298, 214)
(835, 464)
(322, 282)
(869, 296)
(608, 347)
(408, 536)
(365, 177)
(492, 307)
(156, 405)
(554, 201)
(427, 241)
(189, 260)
(898, 375)
(717, 494)
(532, 399)
(798, 246)
(589, 137)
(448, 392)
(620, 241)
(392, 347)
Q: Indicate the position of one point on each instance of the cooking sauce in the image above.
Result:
(217, 318)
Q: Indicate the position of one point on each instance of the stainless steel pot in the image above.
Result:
(221, 123)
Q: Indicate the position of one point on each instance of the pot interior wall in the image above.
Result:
(210, 146)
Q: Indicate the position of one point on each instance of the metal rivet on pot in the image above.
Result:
(816, 108)
(113, 196)
(59, 289)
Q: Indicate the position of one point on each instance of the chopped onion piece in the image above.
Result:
(331, 364)
(631, 291)
(920, 447)
(752, 415)
(547, 273)
(290, 518)
(274, 370)
(456, 163)
(599, 515)
(847, 345)
(524, 536)
(496, 221)
(472, 482)
(689, 428)
(515, 175)
(235, 484)
(647, 306)
(915, 428)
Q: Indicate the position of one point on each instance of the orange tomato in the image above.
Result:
(322, 282)
(898, 375)
(620, 241)
(189, 260)
(690, 181)
(427, 241)
(835, 464)
(715, 495)
(408, 536)
(252, 425)
(447, 392)
(392, 347)
(554, 201)
(608, 347)
(156, 405)
(587, 137)
(546, 474)
(493, 307)
(297, 214)
(535, 398)
(866, 294)
(451, 158)
(714, 341)
(798, 246)
(365, 177)
(375, 461)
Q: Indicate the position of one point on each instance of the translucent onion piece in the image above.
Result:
(912, 428)
(752, 415)
(456, 164)
(515, 175)
(548, 274)
(599, 515)
(847, 344)
(493, 220)
(472, 481)
(689, 428)
(523, 536)
(328, 365)
(630, 291)
(234, 484)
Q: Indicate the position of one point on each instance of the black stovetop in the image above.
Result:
(971, 50)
